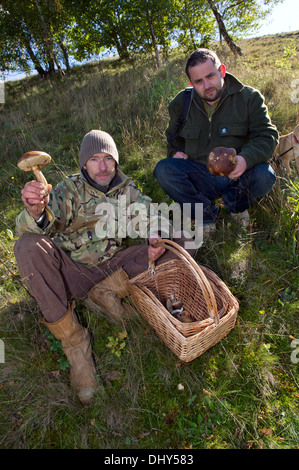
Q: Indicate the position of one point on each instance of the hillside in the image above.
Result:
(243, 392)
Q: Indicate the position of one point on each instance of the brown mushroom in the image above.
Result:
(34, 161)
(221, 161)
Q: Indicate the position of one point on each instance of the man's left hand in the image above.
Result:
(240, 167)
(154, 252)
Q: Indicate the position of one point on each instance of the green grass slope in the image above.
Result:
(240, 394)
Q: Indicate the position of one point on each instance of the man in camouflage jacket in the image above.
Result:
(71, 245)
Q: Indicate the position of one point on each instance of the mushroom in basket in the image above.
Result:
(175, 307)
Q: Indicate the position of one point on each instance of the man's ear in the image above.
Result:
(222, 70)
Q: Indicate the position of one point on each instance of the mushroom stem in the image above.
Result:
(39, 176)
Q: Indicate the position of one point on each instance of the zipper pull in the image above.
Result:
(210, 130)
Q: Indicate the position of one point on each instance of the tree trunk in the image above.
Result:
(121, 49)
(48, 41)
(222, 30)
(65, 55)
(154, 41)
(37, 65)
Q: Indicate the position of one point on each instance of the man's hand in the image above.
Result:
(240, 167)
(154, 252)
(34, 199)
(181, 155)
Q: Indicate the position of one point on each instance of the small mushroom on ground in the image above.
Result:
(221, 161)
(34, 161)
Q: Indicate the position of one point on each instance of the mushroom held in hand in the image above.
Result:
(221, 161)
(34, 161)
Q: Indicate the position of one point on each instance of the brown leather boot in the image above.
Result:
(76, 344)
(105, 297)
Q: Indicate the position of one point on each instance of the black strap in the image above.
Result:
(281, 155)
(188, 95)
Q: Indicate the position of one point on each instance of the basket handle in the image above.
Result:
(181, 253)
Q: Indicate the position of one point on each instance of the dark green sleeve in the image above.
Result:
(174, 142)
(263, 135)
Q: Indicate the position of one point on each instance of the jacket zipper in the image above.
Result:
(210, 116)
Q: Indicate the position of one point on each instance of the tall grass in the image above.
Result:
(242, 393)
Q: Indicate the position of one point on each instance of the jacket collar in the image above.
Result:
(233, 85)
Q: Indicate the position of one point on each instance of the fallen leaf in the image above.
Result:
(267, 432)
(249, 444)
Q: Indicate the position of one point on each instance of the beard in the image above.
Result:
(213, 98)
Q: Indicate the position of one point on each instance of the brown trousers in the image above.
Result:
(53, 279)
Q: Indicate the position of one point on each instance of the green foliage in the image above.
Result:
(55, 345)
(48, 36)
(117, 344)
(288, 53)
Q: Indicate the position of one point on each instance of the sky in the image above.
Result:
(284, 18)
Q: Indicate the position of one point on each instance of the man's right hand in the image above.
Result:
(34, 199)
(181, 155)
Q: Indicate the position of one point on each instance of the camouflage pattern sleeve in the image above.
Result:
(150, 215)
(59, 211)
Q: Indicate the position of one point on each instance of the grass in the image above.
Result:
(240, 394)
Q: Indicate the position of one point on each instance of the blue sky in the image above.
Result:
(284, 18)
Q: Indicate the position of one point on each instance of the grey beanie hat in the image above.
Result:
(97, 141)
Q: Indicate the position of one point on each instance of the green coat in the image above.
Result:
(240, 121)
(91, 226)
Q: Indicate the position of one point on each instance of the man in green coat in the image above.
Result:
(223, 112)
(71, 245)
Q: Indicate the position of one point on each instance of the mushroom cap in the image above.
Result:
(35, 158)
(221, 161)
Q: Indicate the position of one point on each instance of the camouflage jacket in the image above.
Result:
(91, 226)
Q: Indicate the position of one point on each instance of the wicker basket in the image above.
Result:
(205, 298)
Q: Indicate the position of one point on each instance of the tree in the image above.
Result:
(33, 34)
(44, 34)
(223, 31)
(239, 17)
(195, 24)
(104, 25)
(154, 23)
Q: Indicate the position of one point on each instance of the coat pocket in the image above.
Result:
(191, 135)
(233, 135)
